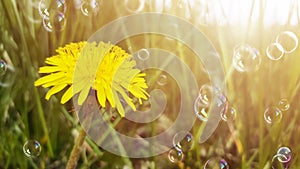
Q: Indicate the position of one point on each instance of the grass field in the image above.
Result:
(248, 142)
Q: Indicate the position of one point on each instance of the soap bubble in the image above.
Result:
(162, 80)
(277, 164)
(229, 115)
(288, 40)
(206, 93)
(143, 54)
(134, 6)
(56, 22)
(175, 155)
(201, 110)
(32, 148)
(272, 115)
(216, 163)
(283, 104)
(3, 67)
(246, 58)
(275, 51)
(183, 141)
(46, 7)
(285, 154)
(90, 7)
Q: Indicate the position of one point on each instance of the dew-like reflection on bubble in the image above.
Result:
(90, 7)
(216, 163)
(246, 58)
(183, 141)
(3, 67)
(143, 54)
(288, 40)
(275, 51)
(201, 110)
(283, 104)
(46, 7)
(56, 22)
(285, 154)
(32, 148)
(162, 80)
(229, 115)
(175, 155)
(272, 115)
(134, 6)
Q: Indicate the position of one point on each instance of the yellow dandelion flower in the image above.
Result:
(103, 67)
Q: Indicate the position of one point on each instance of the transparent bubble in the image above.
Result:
(175, 155)
(32, 148)
(246, 58)
(229, 115)
(206, 93)
(183, 141)
(134, 6)
(46, 7)
(90, 7)
(3, 67)
(272, 115)
(143, 54)
(201, 110)
(288, 40)
(285, 154)
(277, 164)
(275, 51)
(283, 104)
(162, 80)
(216, 163)
(56, 22)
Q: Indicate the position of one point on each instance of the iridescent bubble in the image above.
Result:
(216, 163)
(175, 155)
(206, 93)
(32, 148)
(201, 110)
(288, 40)
(134, 6)
(246, 58)
(229, 115)
(275, 51)
(183, 141)
(143, 54)
(286, 154)
(283, 104)
(277, 164)
(90, 7)
(272, 115)
(56, 22)
(3, 67)
(162, 80)
(46, 7)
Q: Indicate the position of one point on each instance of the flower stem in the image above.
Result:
(72, 162)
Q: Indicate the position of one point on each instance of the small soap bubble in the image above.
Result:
(246, 58)
(90, 7)
(206, 93)
(162, 80)
(143, 54)
(283, 104)
(56, 22)
(275, 51)
(183, 141)
(288, 40)
(229, 115)
(3, 67)
(175, 155)
(46, 7)
(134, 6)
(285, 154)
(277, 164)
(201, 110)
(272, 115)
(32, 148)
(216, 163)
